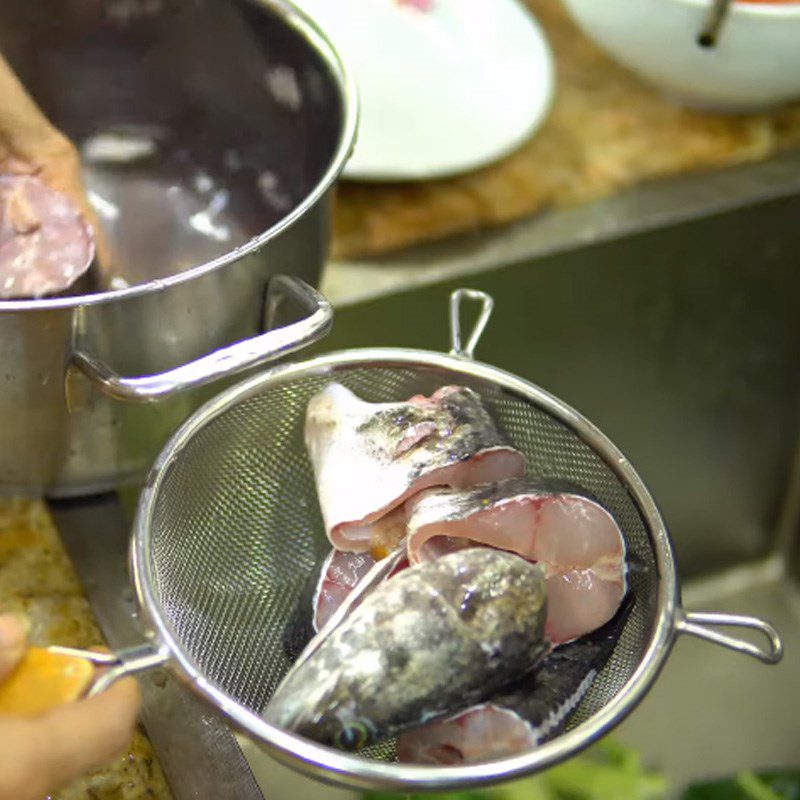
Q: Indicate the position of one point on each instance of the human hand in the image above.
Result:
(42, 753)
(31, 145)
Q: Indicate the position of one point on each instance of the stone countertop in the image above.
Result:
(37, 578)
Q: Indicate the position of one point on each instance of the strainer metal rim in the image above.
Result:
(334, 766)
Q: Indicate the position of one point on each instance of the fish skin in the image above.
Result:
(441, 504)
(549, 521)
(435, 638)
(529, 712)
(369, 458)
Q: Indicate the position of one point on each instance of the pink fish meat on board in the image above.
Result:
(575, 539)
(370, 458)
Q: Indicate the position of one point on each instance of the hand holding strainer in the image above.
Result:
(228, 528)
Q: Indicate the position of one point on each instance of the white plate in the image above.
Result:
(446, 86)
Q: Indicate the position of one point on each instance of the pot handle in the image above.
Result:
(228, 360)
(456, 299)
(694, 623)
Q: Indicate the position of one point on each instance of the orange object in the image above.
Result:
(43, 680)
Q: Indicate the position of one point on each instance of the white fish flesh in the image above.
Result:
(572, 536)
(370, 458)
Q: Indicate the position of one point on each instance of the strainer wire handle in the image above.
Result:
(457, 348)
(226, 361)
(123, 662)
(696, 624)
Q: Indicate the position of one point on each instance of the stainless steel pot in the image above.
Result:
(212, 134)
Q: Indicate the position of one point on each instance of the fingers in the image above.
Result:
(42, 754)
(22, 124)
(84, 735)
(29, 142)
(13, 640)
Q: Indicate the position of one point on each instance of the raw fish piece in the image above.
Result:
(524, 715)
(340, 574)
(435, 639)
(576, 540)
(326, 589)
(369, 458)
(314, 603)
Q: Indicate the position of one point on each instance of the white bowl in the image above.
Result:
(755, 63)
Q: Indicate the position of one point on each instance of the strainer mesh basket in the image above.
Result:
(236, 527)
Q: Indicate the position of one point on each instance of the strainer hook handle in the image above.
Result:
(457, 348)
(696, 624)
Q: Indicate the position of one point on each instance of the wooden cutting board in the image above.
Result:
(607, 130)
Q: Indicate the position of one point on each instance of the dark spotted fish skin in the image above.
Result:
(546, 697)
(449, 426)
(525, 714)
(434, 639)
(330, 582)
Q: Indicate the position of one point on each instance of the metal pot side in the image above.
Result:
(210, 84)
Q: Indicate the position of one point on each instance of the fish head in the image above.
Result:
(435, 637)
(344, 731)
(328, 717)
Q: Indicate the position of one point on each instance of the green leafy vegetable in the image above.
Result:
(772, 785)
(607, 771)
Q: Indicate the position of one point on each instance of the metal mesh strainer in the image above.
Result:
(229, 527)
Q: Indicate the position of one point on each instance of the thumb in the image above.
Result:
(13, 641)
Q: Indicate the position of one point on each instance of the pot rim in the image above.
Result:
(318, 40)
